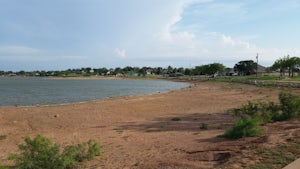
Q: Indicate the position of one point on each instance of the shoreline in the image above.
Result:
(138, 131)
(94, 100)
(189, 84)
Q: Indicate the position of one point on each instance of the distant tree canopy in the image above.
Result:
(287, 63)
(209, 69)
(246, 67)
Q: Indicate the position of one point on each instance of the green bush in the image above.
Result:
(81, 152)
(41, 153)
(247, 127)
(38, 153)
(290, 105)
(288, 108)
(2, 167)
(254, 114)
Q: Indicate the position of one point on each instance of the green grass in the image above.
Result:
(2, 137)
(3, 167)
(277, 157)
(262, 81)
(119, 131)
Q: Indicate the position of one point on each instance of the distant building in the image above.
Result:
(261, 69)
(110, 72)
(230, 72)
(149, 71)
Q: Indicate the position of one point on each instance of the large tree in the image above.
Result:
(212, 69)
(209, 69)
(287, 63)
(246, 67)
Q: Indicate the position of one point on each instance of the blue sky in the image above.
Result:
(62, 34)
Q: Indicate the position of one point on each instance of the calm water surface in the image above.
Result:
(18, 91)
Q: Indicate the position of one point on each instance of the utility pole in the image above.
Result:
(256, 64)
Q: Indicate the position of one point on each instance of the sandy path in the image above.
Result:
(138, 131)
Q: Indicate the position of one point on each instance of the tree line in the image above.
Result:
(285, 65)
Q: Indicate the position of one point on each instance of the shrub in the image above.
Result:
(40, 153)
(81, 152)
(290, 105)
(247, 127)
(254, 114)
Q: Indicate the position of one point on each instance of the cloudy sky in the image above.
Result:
(62, 34)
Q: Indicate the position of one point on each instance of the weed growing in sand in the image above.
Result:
(196, 133)
(176, 119)
(125, 138)
(2, 137)
(40, 152)
(203, 126)
(277, 157)
(119, 131)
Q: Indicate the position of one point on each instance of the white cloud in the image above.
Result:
(121, 53)
(17, 50)
(28, 54)
(175, 41)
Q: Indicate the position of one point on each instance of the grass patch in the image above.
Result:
(2, 137)
(119, 131)
(203, 126)
(277, 157)
(175, 119)
(3, 167)
(125, 138)
(196, 133)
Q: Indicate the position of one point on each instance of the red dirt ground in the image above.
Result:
(138, 131)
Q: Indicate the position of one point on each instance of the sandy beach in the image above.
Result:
(140, 131)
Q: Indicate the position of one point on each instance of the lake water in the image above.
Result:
(18, 91)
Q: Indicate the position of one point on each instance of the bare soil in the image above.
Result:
(177, 129)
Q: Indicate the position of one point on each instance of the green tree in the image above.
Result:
(287, 63)
(209, 69)
(117, 70)
(170, 69)
(246, 67)
(21, 73)
(187, 71)
(142, 71)
(212, 69)
(158, 70)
